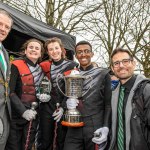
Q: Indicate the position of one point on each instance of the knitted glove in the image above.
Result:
(72, 103)
(103, 133)
(58, 114)
(29, 114)
(44, 97)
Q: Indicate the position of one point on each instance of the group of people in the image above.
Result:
(114, 119)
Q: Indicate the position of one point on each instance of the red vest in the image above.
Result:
(46, 65)
(28, 87)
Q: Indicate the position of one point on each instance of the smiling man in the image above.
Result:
(94, 105)
(5, 110)
(130, 105)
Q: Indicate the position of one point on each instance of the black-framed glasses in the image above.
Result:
(125, 62)
(86, 51)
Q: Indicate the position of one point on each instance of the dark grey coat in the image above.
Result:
(5, 109)
(134, 136)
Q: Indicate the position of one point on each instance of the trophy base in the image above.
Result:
(69, 124)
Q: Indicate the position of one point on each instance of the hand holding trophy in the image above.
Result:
(73, 90)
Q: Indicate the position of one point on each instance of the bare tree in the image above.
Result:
(65, 15)
(109, 25)
(122, 24)
(138, 41)
(106, 23)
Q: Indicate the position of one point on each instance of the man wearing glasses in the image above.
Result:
(95, 105)
(130, 105)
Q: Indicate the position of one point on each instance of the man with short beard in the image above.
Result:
(130, 105)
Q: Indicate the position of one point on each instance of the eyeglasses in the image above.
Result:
(86, 51)
(125, 62)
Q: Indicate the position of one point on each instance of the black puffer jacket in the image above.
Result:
(140, 119)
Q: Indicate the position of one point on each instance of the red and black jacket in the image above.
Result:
(52, 69)
(46, 65)
(28, 88)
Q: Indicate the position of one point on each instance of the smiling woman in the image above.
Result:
(33, 49)
(50, 114)
(26, 75)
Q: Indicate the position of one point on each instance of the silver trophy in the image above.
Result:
(73, 90)
(44, 89)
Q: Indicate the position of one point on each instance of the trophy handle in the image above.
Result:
(59, 76)
(89, 86)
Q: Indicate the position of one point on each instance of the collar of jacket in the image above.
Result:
(87, 68)
(57, 62)
(28, 61)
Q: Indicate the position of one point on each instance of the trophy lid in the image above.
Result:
(75, 74)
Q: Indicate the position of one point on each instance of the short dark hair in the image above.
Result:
(121, 50)
(83, 43)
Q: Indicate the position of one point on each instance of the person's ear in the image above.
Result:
(134, 62)
(112, 68)
(92, 54)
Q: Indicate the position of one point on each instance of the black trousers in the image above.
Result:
(81, 138)
(46, 136)
(18, 134)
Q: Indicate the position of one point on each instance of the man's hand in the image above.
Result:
(103, 133)
(72, 103)
(58, 114)
(29, 114)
